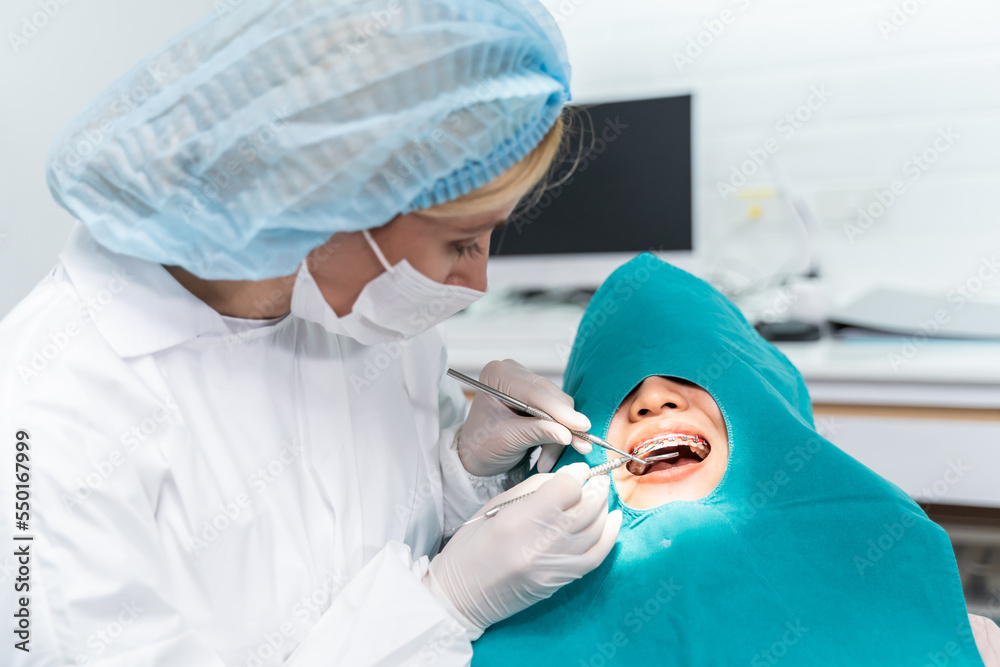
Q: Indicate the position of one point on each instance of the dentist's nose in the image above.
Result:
(655, 397)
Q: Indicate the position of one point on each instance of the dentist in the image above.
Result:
(240, 447)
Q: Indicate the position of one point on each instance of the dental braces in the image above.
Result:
(692, 441)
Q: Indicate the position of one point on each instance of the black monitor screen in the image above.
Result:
(631, 190)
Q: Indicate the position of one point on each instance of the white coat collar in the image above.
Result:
(137, 306)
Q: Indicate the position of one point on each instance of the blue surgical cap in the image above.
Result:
(800, 556)
(256, 134)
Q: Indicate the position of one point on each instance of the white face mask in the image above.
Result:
(399, 303)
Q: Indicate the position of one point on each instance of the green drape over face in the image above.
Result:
(800, 556)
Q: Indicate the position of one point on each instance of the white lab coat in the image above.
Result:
(204, 498)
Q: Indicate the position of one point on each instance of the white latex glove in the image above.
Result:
(494, 438)
(497, 566)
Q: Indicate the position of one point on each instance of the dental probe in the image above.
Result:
(594, 472)
(521, 406)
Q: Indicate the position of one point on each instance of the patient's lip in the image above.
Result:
(672, 474)
(665, 428)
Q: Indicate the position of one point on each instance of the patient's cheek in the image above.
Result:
(707, 404)
(616, 430)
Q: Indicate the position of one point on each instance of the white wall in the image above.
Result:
(889, 98)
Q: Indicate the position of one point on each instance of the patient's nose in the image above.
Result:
(655, 397)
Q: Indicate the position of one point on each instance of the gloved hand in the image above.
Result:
(497, 566)
(494, 438)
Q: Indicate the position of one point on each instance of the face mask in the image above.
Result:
(399, 303)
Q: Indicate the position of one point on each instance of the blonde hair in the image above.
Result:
(531, 173)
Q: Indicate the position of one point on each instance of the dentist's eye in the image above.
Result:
(469, 250)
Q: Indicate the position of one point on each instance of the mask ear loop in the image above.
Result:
(376, 249)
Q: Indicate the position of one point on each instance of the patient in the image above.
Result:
(761, 541)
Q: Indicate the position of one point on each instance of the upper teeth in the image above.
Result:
(697, 444)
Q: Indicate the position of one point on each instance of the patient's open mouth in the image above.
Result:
(691, 450)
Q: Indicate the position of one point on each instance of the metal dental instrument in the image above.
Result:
(594, 472)
(521, 406)
(639, 471)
